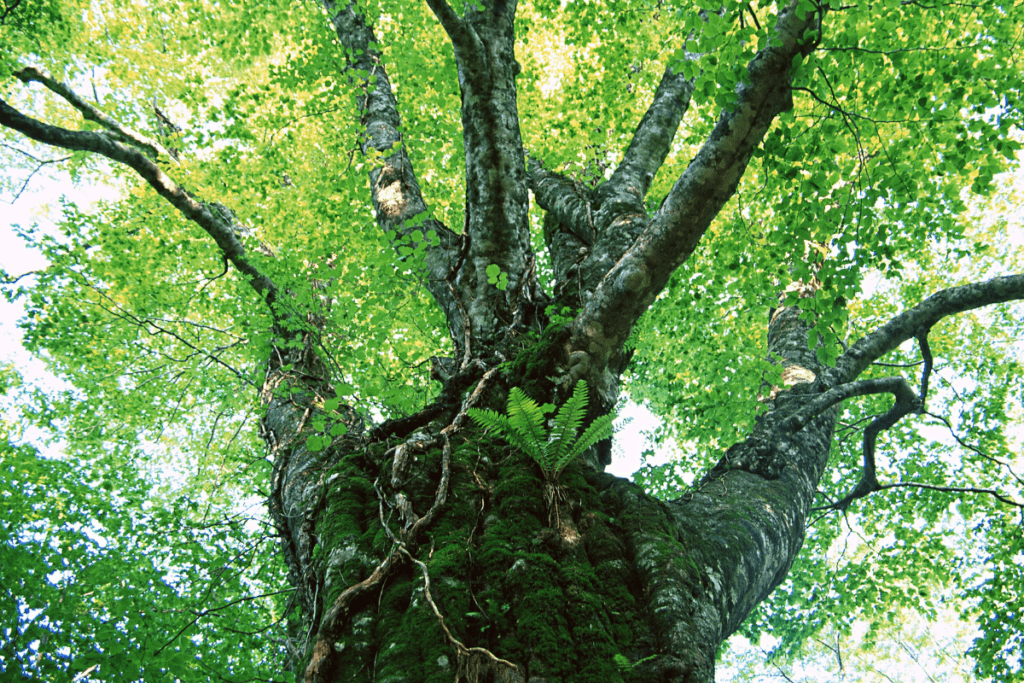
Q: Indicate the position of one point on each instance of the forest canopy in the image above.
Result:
(318, 202)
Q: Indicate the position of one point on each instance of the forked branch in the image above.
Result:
(119, 131)
(632, 285)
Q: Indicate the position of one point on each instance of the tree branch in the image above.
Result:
(906, 402)
(631, 286)
(954, 489)
(564, 199)
(652, 139)
(458, 30)
(395, 192)
(977, 451)
(925, 315)
(215, 223)
(497, 199)
(121, 133)
(897, 386)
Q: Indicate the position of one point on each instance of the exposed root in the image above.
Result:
(333, 621)
(474, 662)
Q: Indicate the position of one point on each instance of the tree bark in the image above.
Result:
(523, 589)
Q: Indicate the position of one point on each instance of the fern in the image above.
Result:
(524, 428)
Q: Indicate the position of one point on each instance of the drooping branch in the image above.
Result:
(841, 381)
(216, 222)
(897, 386)
(906, 402)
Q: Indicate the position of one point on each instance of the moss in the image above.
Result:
(409, 639)
(537, 362)
(501, 577)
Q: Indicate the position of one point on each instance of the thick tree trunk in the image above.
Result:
(427, 550)
(521, 590)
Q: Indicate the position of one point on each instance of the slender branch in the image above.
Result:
(7, 11)
(977, 451)
(954, 489)
(925, 315)
(394, 190)
(898, 365)
(203, 613)
(216, 224)
(39, 165)
(897, 386)
(906, 402)
(929, 362)
(121, 133)
(5, 279)
(653, 137)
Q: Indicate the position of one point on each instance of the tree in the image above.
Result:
(713, 187)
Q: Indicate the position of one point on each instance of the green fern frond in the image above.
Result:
(527, 418)
(601, 428)
(492, 420)
(567, 424)
(524, 428)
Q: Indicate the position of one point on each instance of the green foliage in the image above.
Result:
(552, 448)
(623, 663)
(496, 277)
(102, 579)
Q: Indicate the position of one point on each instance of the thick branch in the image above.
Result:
(395, 191)
(745, 522)
(653, 138)
(496, 195)
(215, 223)
(563, 198)
(709, 181)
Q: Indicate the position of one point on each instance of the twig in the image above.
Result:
(953, 489)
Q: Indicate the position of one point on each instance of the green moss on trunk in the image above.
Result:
(559, 602)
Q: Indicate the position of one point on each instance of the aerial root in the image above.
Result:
(474, 662)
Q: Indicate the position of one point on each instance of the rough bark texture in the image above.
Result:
(425, 550)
